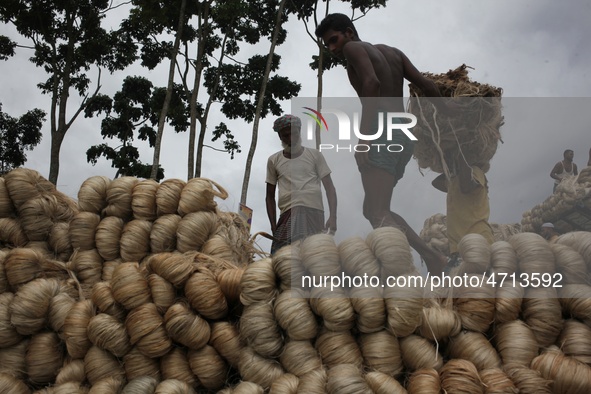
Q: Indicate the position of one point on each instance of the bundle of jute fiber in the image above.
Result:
(391, 248)
(334, 307)
(135, 240)
(346, 378)
(92, 196)
(119, 197)
(527, 381)
(570, 264)
(476, 348)
(234, 239)
(575, 341)
(287, 264)
(576, 302)
(7, 208)
(12, 233)
(82, 230)
(475, 304)
(404, 304)
(260, 331)
(108, 237)
(516, 343)
(439, 322)
(286, 384)
(300, 357)
(163, 233)
(143, 200)
(424, 381)
(475, 252)
(579, 241)
(175, 365)
(320, 255)
(294, 314)
(568, 375)
(460, 376)
(257, 369)
(543, 314)
(474, 133)
(198, 195)
(381, 353)
(381, 383)
(495, 380)
(419, 353)
(243, 388)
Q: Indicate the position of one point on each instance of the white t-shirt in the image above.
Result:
(298, 179)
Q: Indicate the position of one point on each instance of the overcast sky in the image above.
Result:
(536, 50)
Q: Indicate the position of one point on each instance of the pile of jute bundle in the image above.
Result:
(138, 291)
(434, 232)
(571, 192)
(472, 134)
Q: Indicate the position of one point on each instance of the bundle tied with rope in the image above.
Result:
(473, 133)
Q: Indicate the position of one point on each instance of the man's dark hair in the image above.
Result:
(336, 22)
(567, 151)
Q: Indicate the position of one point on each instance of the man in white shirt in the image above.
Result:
(298, 172)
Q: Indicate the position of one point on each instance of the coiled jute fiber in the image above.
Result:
(424, 381)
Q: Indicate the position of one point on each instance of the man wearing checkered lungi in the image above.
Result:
(298, 171)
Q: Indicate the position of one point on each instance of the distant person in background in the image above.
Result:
(549, 232)
(564, 168)
(298, 172)
(468, 208)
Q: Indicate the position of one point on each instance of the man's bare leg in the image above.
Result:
(378, 185)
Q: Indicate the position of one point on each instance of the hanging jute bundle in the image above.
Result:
(508, 301)
(418, 353)
(570, 264)
(194, 229)
(229, 281)
(567, 374)
(475, 305)
(575, 341)
(24, 184)
(439, 323)
(259, 329)
(205, 295)
(286, 384)
(503, 258)
(404, 305)
(527, 381)
(234, 231)
(175, 365)
(185, 327)
(99, 364)
(22, 265)
(88, 266)
(370, 309)
(313, 382)
(346, 378)
(30, 307)
(424, 381)
(209, 367)
(357, 258)
(294, 314)
(163, 292)
(102, 297)
(92, 196)
(495, 380)
(338, 348)
(333, 307)
(163, 233)
(59, 307)
(320, 255)
(119, 195)
(475, 252)
(141, 385)
(13, 385)
(9, 336)
(59, 240)
(129, 285)
(83, 228)
(300, 357)
(143, 199)
(476, 348)
(516, 343)
(137, 365)
(71, 371)
(108, 237)
(381, 383)
(75, 332)
(145, 327)
(460, 376)
(108, 333)
(258, 282)
(391, 248)
(12, 233)
(44, 357)
(198, 195)
(287, 265)
(381, 353)
(6, 207)
(543, 314)
(135, 240)
(225, 339)
(475, 133)
(168, 196)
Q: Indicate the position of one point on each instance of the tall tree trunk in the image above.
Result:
(167, 99)
(191, 172)
(255, 127)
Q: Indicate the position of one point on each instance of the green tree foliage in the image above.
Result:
(18, 136)
(132, 113)
(68, 40)
(6, 47)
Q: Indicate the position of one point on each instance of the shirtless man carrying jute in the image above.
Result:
(379, 71)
